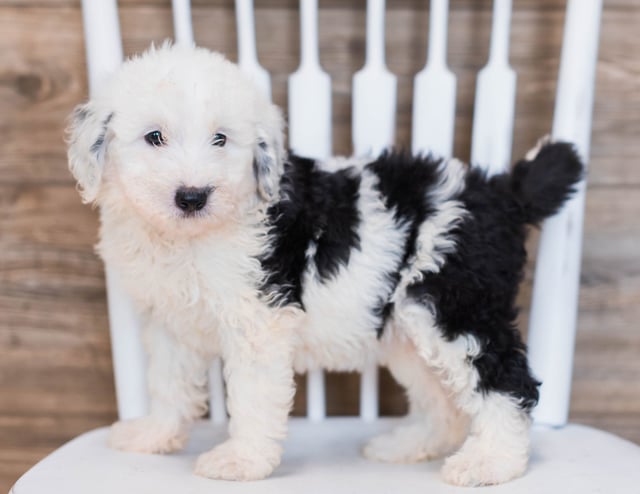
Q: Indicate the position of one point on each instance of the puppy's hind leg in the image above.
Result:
(497, 447)
(434, 426)
(176, 379)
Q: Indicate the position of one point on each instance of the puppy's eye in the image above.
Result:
(219, 140)
(155, 138)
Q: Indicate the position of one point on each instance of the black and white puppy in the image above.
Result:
(279, 264)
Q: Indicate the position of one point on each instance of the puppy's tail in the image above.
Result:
(542, 183)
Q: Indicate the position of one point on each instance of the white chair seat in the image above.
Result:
(325, 458)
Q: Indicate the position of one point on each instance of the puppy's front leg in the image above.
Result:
(176, 379)
(259, 377)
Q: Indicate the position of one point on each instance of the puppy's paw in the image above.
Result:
(147, 435)
(474, 465)
(407, 444)
(236, 459)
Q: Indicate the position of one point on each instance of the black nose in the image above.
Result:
(190, 199)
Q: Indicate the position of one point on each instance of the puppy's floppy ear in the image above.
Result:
(88, 137)
(268, 155)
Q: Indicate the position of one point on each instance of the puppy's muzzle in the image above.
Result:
(192, 199)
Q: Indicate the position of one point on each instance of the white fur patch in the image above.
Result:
(339, 327)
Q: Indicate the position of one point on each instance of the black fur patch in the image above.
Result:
(404, 182)
(542, 185)
(262, 168)
(318, 208)
(384, 308)
(476, 289)
(97, 145)
(81, 113)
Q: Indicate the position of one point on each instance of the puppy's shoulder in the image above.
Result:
(313, 188)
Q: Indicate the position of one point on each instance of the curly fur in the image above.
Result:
(293, 264)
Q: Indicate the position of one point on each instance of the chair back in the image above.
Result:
(555, 294)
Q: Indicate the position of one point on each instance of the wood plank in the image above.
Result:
(55, 360)
(42, 76)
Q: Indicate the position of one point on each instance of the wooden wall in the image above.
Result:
(55, 362)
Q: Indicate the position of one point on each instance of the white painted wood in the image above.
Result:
(326, 458)
(552, 325)
(104, 56)
(129, 358)
(247, 53)
(310, 135)
(374, 91)
(217, 408)
(373, 127)
(217, 404)
(316, 397)
(182, 25)
(310, 93)
(434, 91)
(495, 98)
(369, 392)
(102, 40)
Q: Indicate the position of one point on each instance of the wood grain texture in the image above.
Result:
(345, 4)
(55, 361)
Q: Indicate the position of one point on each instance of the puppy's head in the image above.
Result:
(180, 137)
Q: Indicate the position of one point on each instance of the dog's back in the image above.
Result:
(454, 242)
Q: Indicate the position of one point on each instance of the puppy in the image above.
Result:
(277, 263)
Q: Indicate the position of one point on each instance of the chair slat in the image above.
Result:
(129, 358)
(316, 396)
(495, 98)
(102, 40)
(373, 129)
(369, 392)
(434, 91)
(310, 136)
(310, 93)
(374, 91)
(552, 325)
(104, 56)
(247, 53)
(217, 408)
(182, 25)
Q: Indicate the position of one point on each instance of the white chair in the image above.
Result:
(321, 454)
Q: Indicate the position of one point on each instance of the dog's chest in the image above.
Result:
(185, 286)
